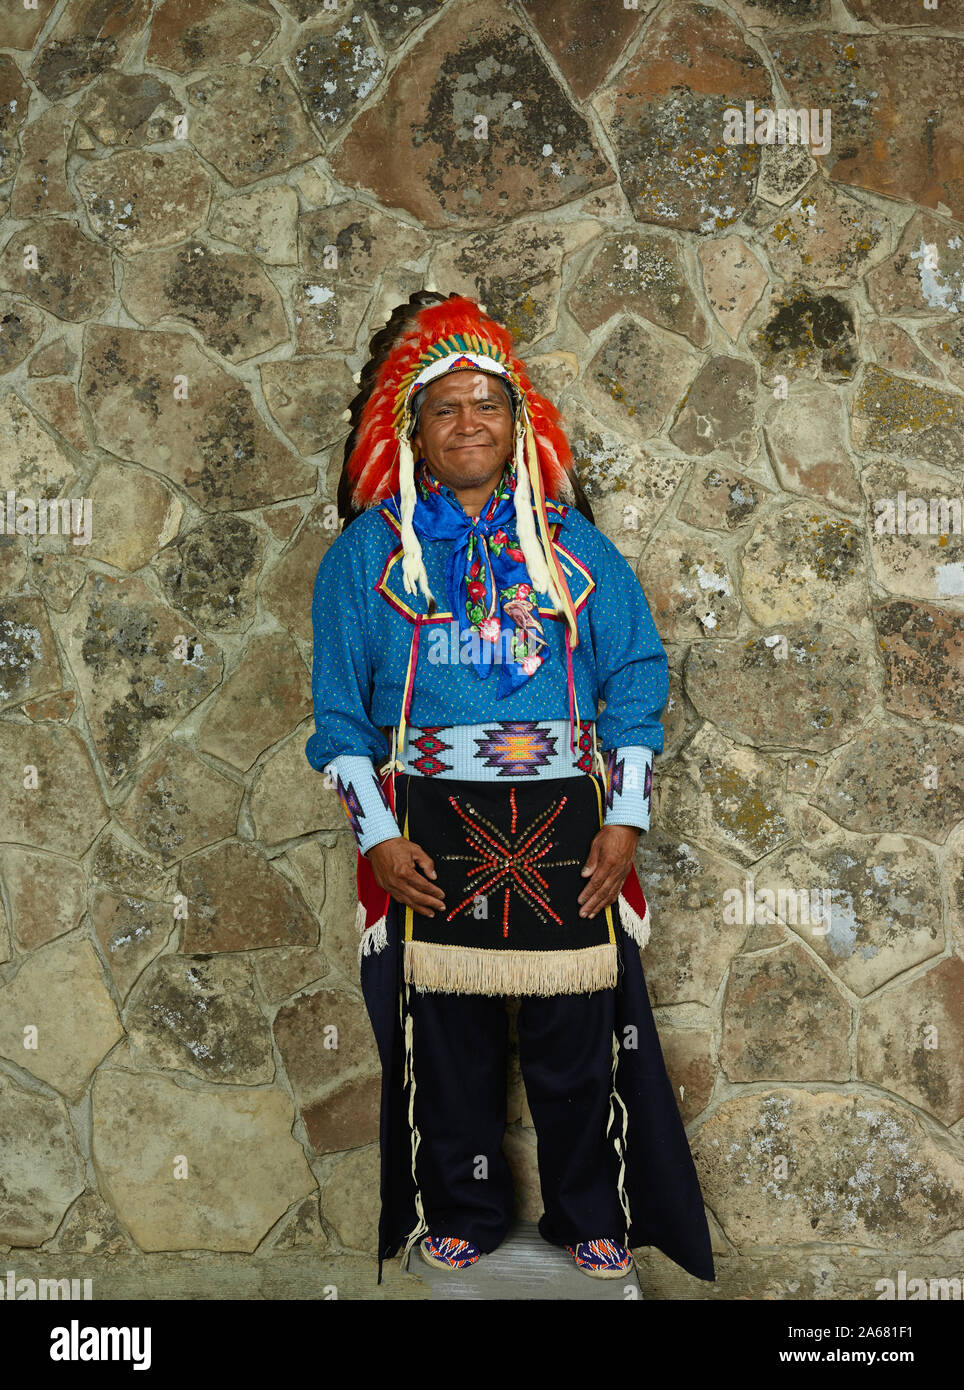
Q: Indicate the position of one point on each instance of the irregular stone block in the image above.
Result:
(642, 275)
(201, 1016)
(692, 941)
(347, 1117)
(225, 295)
(139, 199)
(627, 487)
(783, 1020)
(799, 562)
(725, 796)
(61, 248)
(31, 462)
(688, 585)
(945, 342)
(896, 416)
(339, 934)
(263, 222)
(180, 804)
(585, 40)
(210, 1169)
(213, 443)
(56, 403)
(859, 1169)
(91, 1229)
(41, 1173)
(304, 1231)
(59, 706)
(394, 21)
(806, 334)
(869, 81)
(124, 869)
(825, 239)
(353, 242)
(133, 516)
(521, 1151)
(911, 1040)
(664, 115)
(84, 42)
(923, 648)
(325, 1040)
(63, 811)
(290, 798)
(895, 779)
(268, 693)
(58, 577)
(288, 585)
(808, 685)
(805, 435)
(538, 152)
(720, 499)
(326, 318)
(781, 14)
(40, 187)
(47, 894)
(289, 969)
(337, 69)
(140, 668)
(307, 400)
(733, 279)
(210, 573)
(60, 992)
(23, 327)
(29, 664)
(129, 108)
(895, 350)
(691, 1067)
(212, 31)
(719, 411)
(516, 273)
(131, 932)
(638, 377)
(236, 901)
(247, 121)
(869, 908)
(347, 1199)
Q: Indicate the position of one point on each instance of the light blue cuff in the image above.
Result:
(360, 793)
(629, 786)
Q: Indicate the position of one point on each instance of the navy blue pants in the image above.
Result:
(459, 1056)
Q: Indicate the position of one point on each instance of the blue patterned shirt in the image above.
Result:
(363, 625)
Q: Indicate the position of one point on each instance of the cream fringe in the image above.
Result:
(408, 1076)
(619, 1143)
(413, 566)
(373, 938)
(633, 925)
(538, 564)
(476, 970)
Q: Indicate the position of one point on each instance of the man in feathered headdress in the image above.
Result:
(467, 623)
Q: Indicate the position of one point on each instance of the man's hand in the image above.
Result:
(404, 870)
(610, 857)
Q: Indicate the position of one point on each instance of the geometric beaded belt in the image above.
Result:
(497, 750)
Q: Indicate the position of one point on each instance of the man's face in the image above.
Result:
(465, 429)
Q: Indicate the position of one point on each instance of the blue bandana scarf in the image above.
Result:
(487, 582)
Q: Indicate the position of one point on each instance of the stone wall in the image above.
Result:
(759, 352)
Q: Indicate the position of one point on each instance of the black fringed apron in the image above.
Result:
(508, 859)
